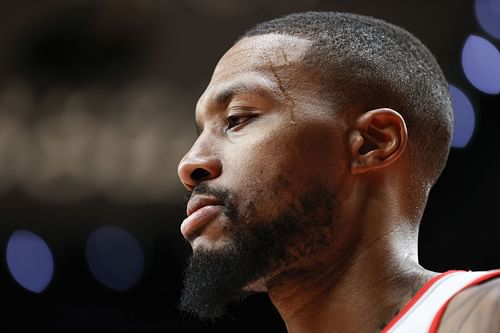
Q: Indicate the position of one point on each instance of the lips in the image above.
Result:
(200, 211)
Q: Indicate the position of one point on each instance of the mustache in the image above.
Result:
(221, 194)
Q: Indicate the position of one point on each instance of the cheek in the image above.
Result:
(258, 183)
(303, 154)
(269, 173)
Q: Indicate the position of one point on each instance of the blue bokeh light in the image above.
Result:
(29, 260)
(481, 64)
(115, 257)
(464, 118)
(488, 16)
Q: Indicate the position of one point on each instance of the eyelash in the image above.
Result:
(237, 120)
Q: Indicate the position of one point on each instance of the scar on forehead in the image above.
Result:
(285, 58)
(281, 86)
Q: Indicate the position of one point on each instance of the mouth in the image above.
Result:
(200, 212)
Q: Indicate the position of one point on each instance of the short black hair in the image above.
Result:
(370, 63)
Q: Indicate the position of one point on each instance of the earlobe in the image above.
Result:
(378, 139)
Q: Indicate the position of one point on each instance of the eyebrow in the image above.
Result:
(223, 97)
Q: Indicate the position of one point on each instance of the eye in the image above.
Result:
(237, 120)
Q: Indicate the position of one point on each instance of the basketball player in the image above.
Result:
(320, 137)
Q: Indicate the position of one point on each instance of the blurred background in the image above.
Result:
(96, 110)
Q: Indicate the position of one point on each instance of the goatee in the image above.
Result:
(213, 278)
(256, 249)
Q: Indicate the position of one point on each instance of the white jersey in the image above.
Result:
(424, 311)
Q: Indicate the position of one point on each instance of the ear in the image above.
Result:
(377, 140)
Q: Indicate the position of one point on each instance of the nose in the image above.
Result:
(193, 170)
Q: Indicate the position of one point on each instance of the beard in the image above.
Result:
(257, 248)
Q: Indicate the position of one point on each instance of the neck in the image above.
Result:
(359, 296)
(360, 289)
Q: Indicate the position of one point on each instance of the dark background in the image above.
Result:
(96, 107)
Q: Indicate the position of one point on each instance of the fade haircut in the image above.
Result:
(365, 63)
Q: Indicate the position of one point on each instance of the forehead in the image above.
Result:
(265, 61)
(259, 53)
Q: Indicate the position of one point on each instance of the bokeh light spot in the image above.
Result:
(29, 260)
(481, 64)
(115, 257)
(488, 16)
(464, 118)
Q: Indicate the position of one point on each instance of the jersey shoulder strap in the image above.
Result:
(422, 314)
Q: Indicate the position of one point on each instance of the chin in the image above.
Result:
(203, 243)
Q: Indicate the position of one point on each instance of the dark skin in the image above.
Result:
(260, 120)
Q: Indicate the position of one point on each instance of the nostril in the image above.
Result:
(199, 174)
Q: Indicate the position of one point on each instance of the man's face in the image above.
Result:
(265, 173)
